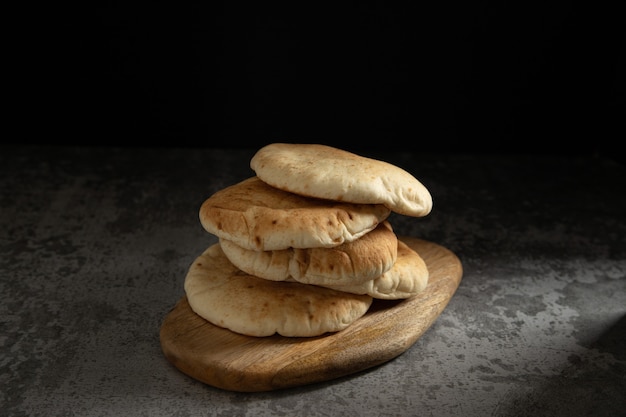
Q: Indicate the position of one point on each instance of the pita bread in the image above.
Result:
(257, 216)
(227, 297)
(353, 262)
(322, 171)
(408, 276)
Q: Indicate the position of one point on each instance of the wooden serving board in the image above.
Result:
(235, 362)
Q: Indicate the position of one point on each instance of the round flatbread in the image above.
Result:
(354, 262)
(257, 216)
(322, 171)
(227, 297)
(407, 277)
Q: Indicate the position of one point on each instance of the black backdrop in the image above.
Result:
(475, 76)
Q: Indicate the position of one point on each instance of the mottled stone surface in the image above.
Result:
(95, 243)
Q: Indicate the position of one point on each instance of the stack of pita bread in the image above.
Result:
(305, 245)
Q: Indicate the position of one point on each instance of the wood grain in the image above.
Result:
(227, 360)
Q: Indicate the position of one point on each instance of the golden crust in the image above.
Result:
(322, 171)
(408, 276)
(227, 297)
(353, 262)
(257, 216)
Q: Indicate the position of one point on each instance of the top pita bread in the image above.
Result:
(322, 171)
(257, 216)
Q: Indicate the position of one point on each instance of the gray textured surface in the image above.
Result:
(95, 244)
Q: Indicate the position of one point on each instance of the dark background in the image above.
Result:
(474, 76)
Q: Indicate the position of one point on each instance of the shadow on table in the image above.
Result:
(585, 388)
